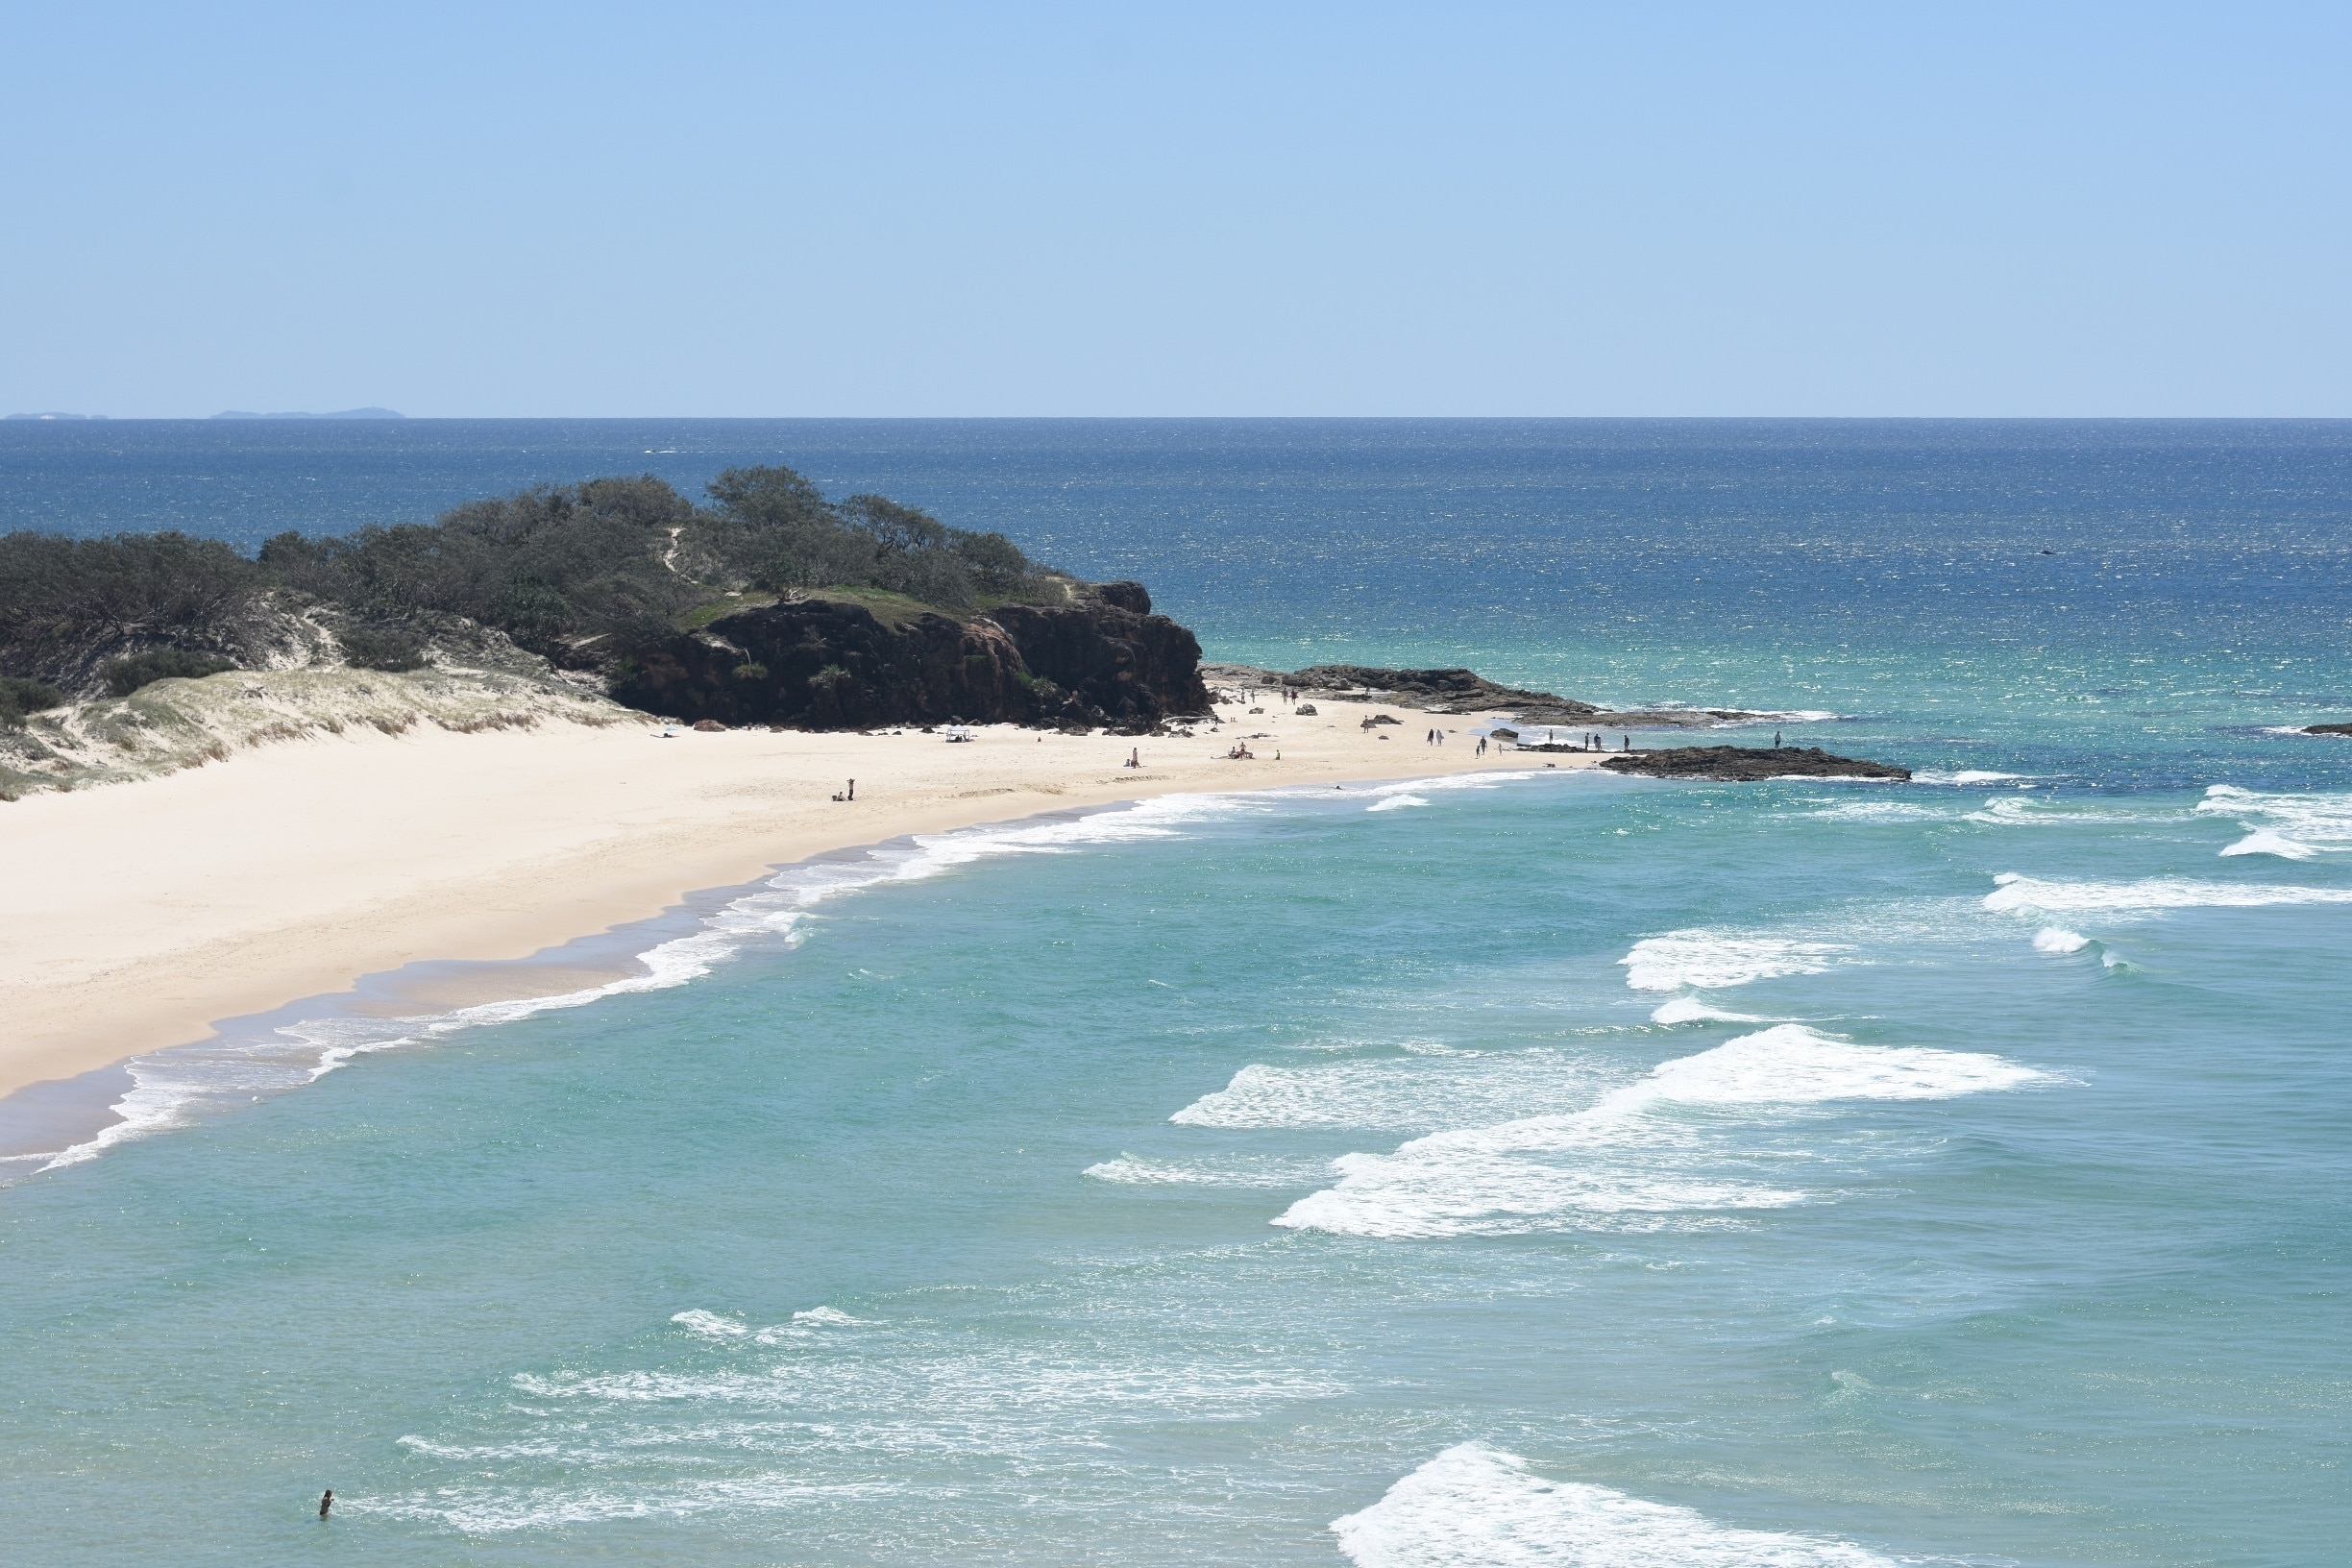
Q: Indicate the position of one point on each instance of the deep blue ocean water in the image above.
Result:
(1542, 1170)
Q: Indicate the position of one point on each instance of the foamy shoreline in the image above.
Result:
(138, 916)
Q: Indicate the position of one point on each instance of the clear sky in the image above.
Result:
(1189, 210)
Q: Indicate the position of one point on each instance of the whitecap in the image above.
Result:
(1880, 811)
(1964, 776)
(1430, 1090)
(1792, 716)
(2265, 842)
(2034, 811)
(1634, 1150)
(1234, 1171)
(1396, 803)
(709, 1325)
(1792, 1065)
(1691, 1010)
(829, 1316)
(2052, 939)
(2292, 826)
(1475, 1505)
(2016, 892)
(1705, 959)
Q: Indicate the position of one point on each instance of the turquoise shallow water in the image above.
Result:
(1542, 1170)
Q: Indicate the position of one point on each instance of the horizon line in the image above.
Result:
(64, 418)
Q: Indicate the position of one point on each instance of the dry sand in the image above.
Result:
(133, 916)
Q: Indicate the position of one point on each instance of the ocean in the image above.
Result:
(1521, 1170)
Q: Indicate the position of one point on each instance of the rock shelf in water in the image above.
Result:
(1748, 764)
(1464, 691)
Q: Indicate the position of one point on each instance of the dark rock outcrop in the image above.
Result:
(1465, 691)
(1436, 691)
(1747, 764)
(1112, 654)
(834, 663)
(2327, 729)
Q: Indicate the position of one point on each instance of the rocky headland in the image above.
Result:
(1099, 660)
(770, 604)
(1749, 764)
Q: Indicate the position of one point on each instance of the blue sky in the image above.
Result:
(1190, 209)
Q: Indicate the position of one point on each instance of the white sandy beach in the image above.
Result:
(137, 914)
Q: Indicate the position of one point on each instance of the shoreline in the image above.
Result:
(413, 876)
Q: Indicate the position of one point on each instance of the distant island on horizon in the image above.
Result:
(347, 413)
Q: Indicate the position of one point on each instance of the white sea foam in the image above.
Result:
(1792, 1065)
(2264, 841)
(2022, 810)
(1237, 1172)
(1430, 1091)
(715, 1327)
(1788, 716)
(1437, 1192)
(829, 1316)
(1691, 1010)
(1964, 776)
(171, 1089)
(1880, 811)
(2290, 827)
(2025, 893)
(1636, 1149)
(1441, 783)
(1477, 1506)
(2052, 939)
(2018, 810)
(1396, 803)
(1710, 959)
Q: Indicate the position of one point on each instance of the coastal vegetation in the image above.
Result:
(18, 697)
(583, 574)
(123, 677)
(764, 602)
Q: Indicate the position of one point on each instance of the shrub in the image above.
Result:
(753, 670)
(18, 697)
(544, 566)
(390, 648)
(123, 677)
(64, 600)
(832, 674)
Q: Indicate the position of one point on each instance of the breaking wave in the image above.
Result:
(1477, 1506)
(1708, 960)
(2018, 892)
(2289, 826)
(1638, 1150)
